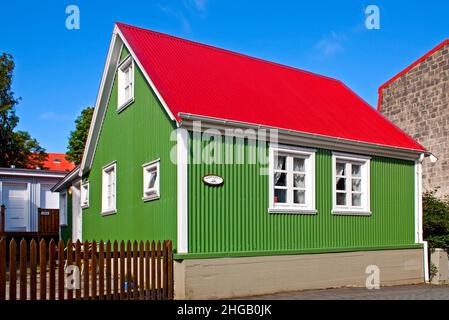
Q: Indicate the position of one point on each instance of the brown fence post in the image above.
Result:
(2, 269)
(43, 270)
(23, 269)
(170, 270)
(69, 263)
(135, 278)
(158, 271)
(52, 269)
(12, 270)
(61, 277)
(141, 272)
(101, 271)
(33, 270)
(94, 270)
(86, 294)
(2, 226)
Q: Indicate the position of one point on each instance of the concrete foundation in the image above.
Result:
(439, 258)
(246, 276)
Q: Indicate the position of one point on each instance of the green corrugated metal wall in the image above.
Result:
(233, 218)
(137, 135)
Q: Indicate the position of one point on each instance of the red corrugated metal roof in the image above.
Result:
(58, 162)
(414, 64)
(204, 80)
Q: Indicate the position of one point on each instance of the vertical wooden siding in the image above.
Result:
(233, 218)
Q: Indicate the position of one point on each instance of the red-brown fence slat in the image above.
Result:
(128, 270)
(2, 269)
(115, 272)
(101, 271)
(147, 271)
(94, 270)
(164, 270)
(12, 270)
(78, 264)
(52, 268)
(86, 291)
(141, 271)
(33, 270)
(122, 271)
(158, 271)
(170, 270)
(69, 255)
(135, 272)
(61, 277)
(153, 271)
(108, 271)
(42, 270)
(23, 269)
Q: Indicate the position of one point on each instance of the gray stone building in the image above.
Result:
(417, 101)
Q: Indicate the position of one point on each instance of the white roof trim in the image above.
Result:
(72, 175)
(306, 139)
(18, 172)
(104, 92)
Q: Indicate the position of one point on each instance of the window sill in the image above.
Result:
(85, 206)
(125, 105)
(292, 210)
(109, 212)
(351, 212)
(151, 197)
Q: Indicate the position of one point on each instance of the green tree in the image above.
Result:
(436, 220)
(78, 137)
(17, 147)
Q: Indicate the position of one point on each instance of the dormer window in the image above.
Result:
(125, 83)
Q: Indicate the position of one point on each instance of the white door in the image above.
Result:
(77, 217)
(15, 198)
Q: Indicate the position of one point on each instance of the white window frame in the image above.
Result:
(127, 64)
(105, 208)
(153, 193)
(293, 152)
(63, 208)
(349, 159)
(84, 199)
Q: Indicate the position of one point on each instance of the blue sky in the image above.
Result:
(58, 70)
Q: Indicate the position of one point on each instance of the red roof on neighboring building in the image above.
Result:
(58, 162)
(414, 64)
(204, 80)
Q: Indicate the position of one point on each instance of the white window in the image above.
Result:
(109, 188)
(125, 83)
(85, 195)
(351, 192)
(63, 208)
(151, 178)
(292, 180)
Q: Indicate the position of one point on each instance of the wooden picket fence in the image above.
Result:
(107, 271)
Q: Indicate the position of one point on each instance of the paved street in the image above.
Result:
(411, 292)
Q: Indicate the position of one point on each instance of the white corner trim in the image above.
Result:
(182, 166)
(419, 216)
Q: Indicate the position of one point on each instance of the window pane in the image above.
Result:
(341, 184)
(356, 200)
(341, 169)
(356, 170)
(299, 180)
(299, 197)
(279, 163)
(298, 164)
(280, 196)
(280, 179)
(341, 199)
(356, 185)
(153, 176)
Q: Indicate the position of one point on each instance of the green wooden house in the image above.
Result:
(266, 177)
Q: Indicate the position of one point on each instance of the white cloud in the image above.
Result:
(179, 16)
(331, 44)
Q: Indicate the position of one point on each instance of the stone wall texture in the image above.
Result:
(418, 103)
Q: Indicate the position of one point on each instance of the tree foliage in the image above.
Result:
(78, 137)
(17, 148)
(436, 220)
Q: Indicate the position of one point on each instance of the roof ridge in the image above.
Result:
(242, 55)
